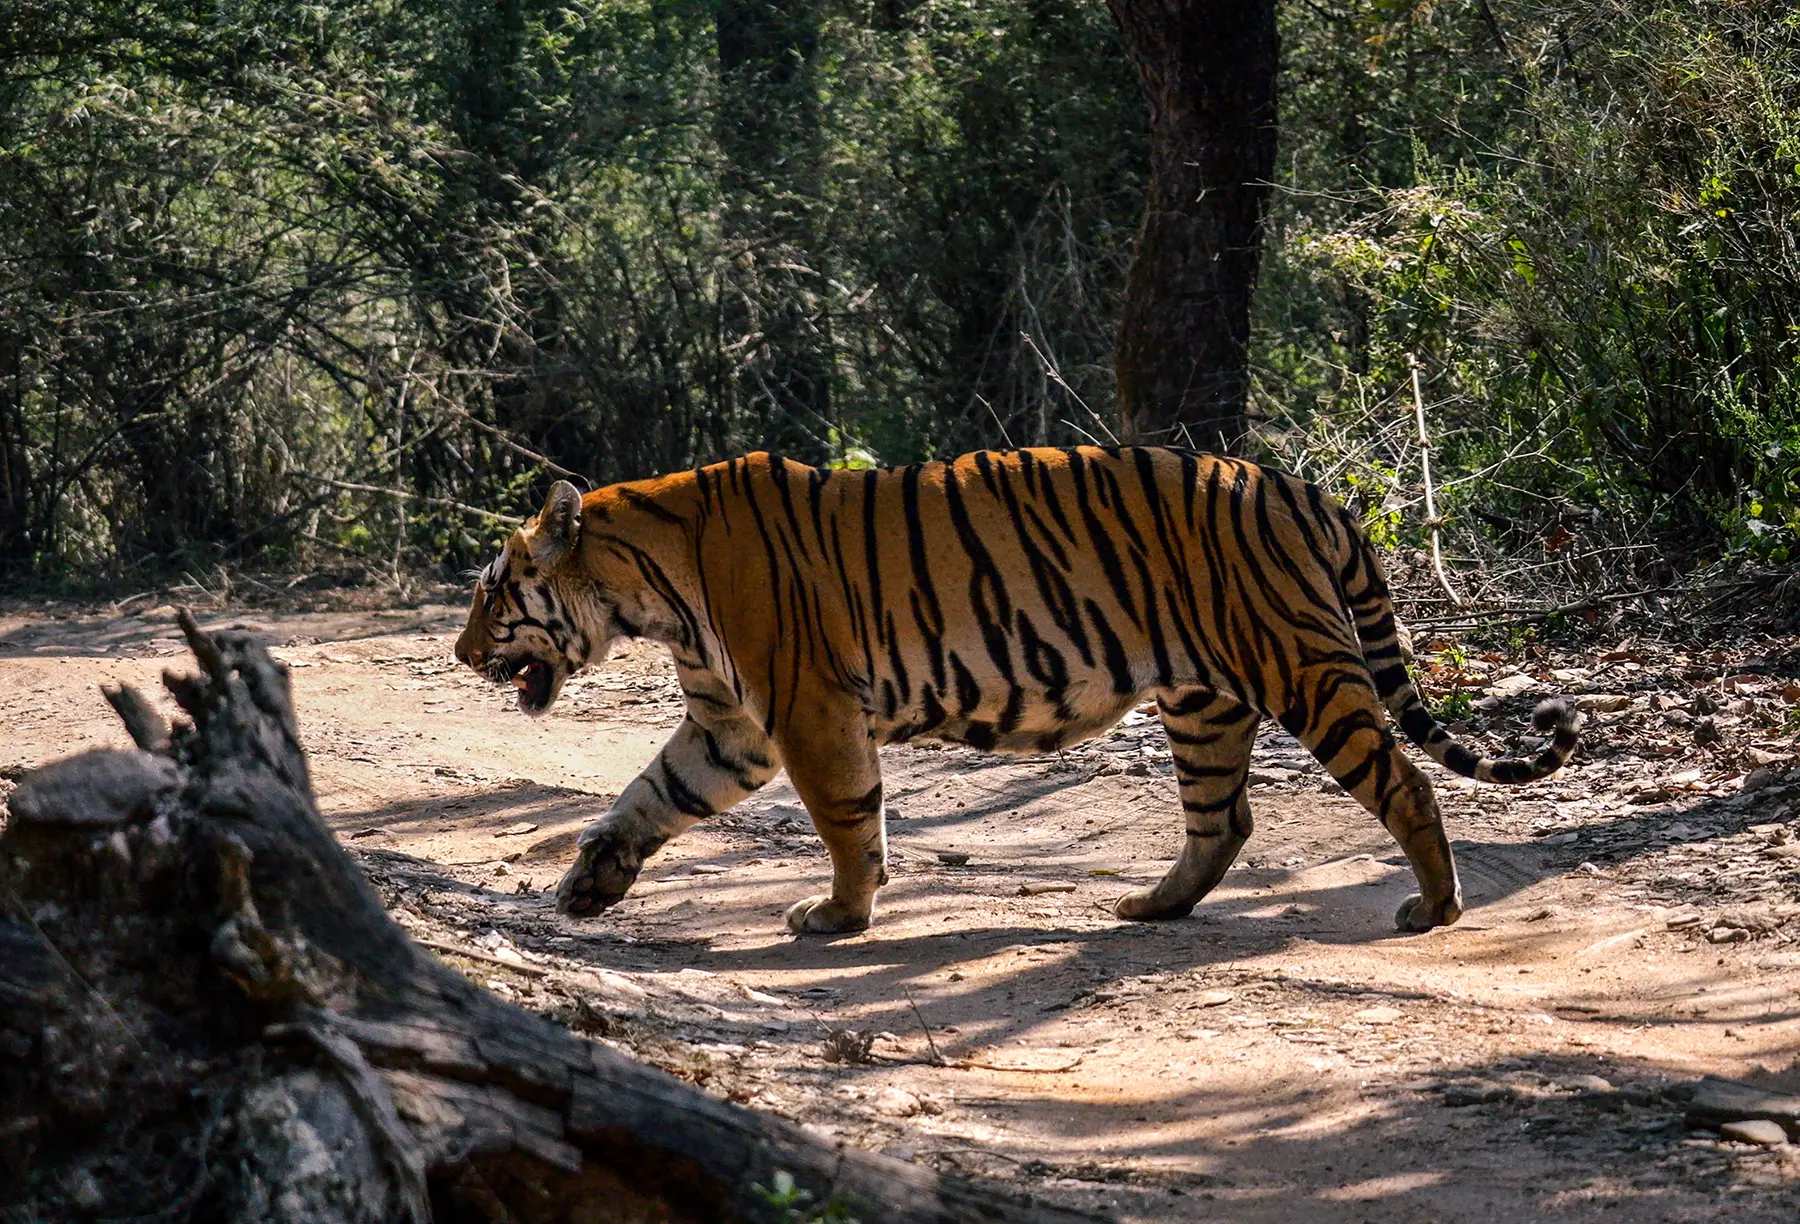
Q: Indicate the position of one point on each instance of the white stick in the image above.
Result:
(1432, 521)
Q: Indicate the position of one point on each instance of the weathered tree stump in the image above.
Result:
(205, 1014)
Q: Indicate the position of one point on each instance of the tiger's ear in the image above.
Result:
(558, 524)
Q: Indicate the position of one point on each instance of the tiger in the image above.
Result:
(1015, 601)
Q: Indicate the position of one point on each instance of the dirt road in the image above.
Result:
(1283, 1055)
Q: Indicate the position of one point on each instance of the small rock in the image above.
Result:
(501, 869)
(1727, 934)
(1474, 1092)
(1718, 1101)
(1755, 1130)
(1757, 920)
(1587, 1083)
(517, 830)
(896, 1103)
(1706, 731)
(1378, 1015)
(708, 869)
(952, 858)
(1214, 998)
(605, 981)
(1269, 776)
(85, 1191)
(1758, 778)
(370, 832)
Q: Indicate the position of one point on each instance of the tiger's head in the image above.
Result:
(538, 617)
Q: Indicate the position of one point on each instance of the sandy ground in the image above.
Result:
(1282, 1055)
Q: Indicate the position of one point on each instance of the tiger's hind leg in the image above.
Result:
(832, 762)
(1210, 737)
(1338, 717)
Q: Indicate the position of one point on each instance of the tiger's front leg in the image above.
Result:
(833, 764)
(705, 768)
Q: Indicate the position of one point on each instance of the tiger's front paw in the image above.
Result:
(825, 916)
(605, 869)
(1414, 915)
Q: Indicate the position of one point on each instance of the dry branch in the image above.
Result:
(1432, 521)
(206, 1014)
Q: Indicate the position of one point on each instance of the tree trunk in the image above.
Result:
(205, 1014)
(1208, 70)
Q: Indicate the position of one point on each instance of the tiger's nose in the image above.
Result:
(468, 655)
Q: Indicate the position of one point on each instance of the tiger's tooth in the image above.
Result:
(520, 682)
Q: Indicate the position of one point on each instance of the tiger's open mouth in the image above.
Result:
(536, 682)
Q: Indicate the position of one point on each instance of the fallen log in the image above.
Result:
(205, 1014)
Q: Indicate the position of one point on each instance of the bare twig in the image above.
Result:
(354, 487)
(931, 1041)
(505, 439)
(438, 945)
(1057, 378)
(1540, 614)
(1432, 521)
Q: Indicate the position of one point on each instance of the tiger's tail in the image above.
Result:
(1379, 633)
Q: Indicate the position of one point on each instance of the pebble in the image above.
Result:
(1587, 1083)
(896, 1103)
(1725, 934)
(1474, 1092)
(1214, 998)
(517, 830)
(1719, 1102)
(1378, 1015)
(1758, 778)
(1755, 1130)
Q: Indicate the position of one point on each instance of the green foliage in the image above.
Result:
(1454, 707)
(1581, 216)
(792, 1202)
(253, 250)
(258, 254)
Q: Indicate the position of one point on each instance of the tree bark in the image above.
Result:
(1208, 70)
(205, 1014)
